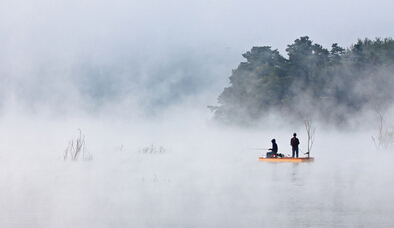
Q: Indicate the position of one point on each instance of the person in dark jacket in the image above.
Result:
(274, 150)
(294, 142)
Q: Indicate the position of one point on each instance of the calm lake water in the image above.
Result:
(208, 182)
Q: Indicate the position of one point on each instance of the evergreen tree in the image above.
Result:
(312, 79)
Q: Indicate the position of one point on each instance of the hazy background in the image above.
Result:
(135, 57)
(134, 74)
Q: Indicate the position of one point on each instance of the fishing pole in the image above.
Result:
(256, 149)
(303, 152)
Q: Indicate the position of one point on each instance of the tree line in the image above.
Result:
(332, 84)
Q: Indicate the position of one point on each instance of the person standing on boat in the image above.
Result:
(294, 142)
(274, 149)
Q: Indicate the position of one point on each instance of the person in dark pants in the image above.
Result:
(294, 142)
(274, 150)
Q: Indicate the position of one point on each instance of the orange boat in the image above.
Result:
(287, 159)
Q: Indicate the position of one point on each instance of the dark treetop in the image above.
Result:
(332, 84)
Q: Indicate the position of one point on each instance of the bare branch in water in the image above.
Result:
(310, 130)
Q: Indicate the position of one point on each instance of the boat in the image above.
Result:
(287, 159)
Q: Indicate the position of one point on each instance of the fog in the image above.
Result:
(204, 177)
(134, 76)
(154, 54)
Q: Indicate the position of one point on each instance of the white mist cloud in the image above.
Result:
(158, 52)
(100, 66)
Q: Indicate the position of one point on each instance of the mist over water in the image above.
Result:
(206, 177)
(137, 77)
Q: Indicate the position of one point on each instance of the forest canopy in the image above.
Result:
(313, 81)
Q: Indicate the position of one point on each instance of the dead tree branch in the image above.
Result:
(310, 130)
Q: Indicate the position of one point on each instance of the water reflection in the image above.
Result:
(294, 175)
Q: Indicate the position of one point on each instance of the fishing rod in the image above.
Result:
(256, 149)
(303, 152)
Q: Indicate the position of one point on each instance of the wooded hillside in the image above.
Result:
(332, 84)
